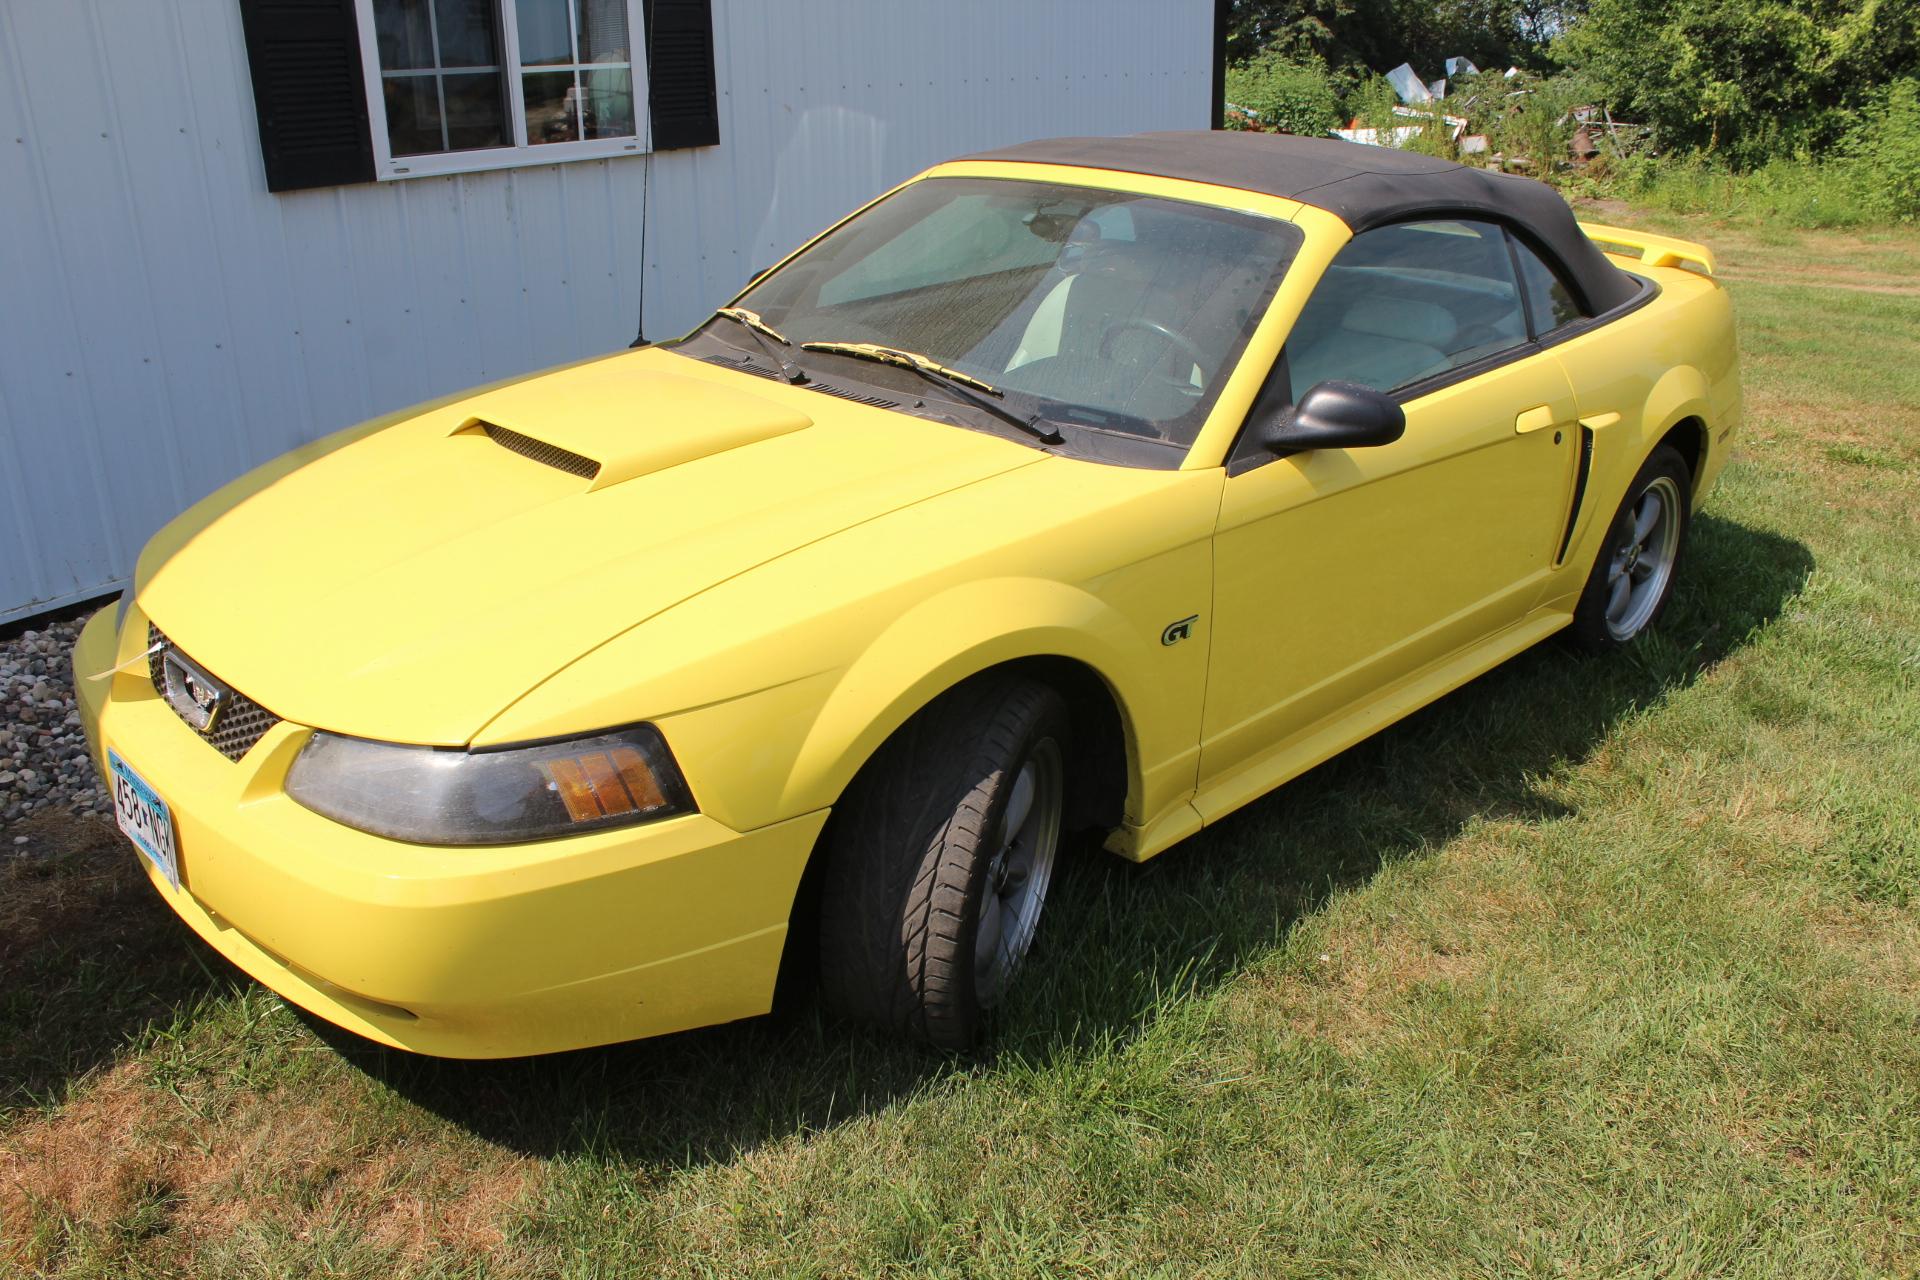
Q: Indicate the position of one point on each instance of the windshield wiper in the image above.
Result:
(970, 387)
(761, 331)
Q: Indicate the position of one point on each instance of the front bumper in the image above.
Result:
(465, 953)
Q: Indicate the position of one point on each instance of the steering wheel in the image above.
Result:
(1179, 342)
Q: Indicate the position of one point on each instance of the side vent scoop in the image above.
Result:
(540, 451)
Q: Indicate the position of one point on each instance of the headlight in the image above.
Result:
(506, 795)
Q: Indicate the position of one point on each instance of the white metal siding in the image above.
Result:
(166, 324)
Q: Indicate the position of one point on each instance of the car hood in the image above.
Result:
(411, 584)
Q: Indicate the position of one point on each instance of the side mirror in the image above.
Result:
(758, 276)
(1337, 415)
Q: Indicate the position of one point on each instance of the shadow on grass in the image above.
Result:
(90, 958)
(1118, 937)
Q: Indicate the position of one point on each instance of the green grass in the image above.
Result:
(1596, 968)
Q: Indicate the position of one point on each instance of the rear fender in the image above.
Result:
(1621, 447)
(1682, 393)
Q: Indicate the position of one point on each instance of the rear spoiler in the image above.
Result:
(1652, 250)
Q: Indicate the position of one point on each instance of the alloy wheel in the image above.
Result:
(1642, 559)
(1019, 872)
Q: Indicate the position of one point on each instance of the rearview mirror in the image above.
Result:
(1337, 415)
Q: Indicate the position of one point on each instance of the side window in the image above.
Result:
(1404, 302)
(1548, 297)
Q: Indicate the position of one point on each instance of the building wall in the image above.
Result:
(166, 324)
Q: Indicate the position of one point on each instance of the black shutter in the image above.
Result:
(308, 92)
(1222, 24)
(680, 74)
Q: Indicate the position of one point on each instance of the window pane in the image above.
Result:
(608, 101)
(1552, 302)
(603, 31)
(545, 37)
(550, 101)
(467, 36)
(972, 235)
(404, 34)
(476, 114)
(1018, 283)
(413, 115)
(1401, 303)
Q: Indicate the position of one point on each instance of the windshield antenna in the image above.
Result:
(646, 192)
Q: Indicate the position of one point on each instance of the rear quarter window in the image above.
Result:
(1549, 299)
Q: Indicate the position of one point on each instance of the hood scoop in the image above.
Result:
(540, 451)
(611, 422)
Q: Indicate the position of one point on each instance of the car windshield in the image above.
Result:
(1088, 308)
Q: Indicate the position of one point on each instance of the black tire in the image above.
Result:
(1665, 475)
(911, 858)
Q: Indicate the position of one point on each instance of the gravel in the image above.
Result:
(43, 750)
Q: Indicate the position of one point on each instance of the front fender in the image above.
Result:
(793, 747)
(943, 641)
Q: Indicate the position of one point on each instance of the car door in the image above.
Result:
(1341, 571)
(1612, 383)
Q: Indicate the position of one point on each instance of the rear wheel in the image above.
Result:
(1633, 577)
(939, 859)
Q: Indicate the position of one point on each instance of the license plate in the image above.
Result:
(144, 816)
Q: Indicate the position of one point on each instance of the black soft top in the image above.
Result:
(1363, 186)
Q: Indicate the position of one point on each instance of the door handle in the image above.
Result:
(1534, 419)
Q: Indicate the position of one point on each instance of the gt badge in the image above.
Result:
(1178, 631)
(196, 696)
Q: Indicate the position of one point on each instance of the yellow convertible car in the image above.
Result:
(1094, 483)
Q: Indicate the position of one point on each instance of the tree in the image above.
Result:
(1357, 36)
(1742, 79)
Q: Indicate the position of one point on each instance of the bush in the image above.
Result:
(1293, 97)
(1794, 192)
(1533, 124)
(1374, 105)
(1873, 176)
(1882, 152)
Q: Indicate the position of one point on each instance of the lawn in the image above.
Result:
(1596, 968)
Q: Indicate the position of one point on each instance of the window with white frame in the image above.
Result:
(460, 85)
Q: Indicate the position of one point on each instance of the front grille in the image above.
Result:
(540, 451)
(242, 721)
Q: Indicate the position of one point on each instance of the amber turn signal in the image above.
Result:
(605, 784)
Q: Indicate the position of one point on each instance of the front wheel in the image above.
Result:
(938, 862)
(1633, 577)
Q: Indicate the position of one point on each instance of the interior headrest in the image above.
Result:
(1117, 258)
(1402, 318)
